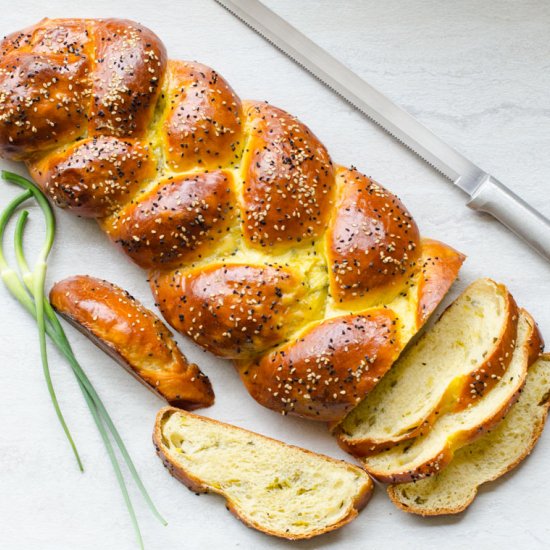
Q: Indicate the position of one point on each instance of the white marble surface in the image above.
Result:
(478, 73)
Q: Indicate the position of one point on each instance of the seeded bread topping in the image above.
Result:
(259, 247)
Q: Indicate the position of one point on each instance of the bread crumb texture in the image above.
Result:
(274, 487)
(451, 366)
(429, 453)
(496, 453)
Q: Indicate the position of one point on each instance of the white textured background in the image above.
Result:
(477, 73)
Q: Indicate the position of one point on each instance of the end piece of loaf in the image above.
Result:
(276, 488)
(134, 336)
(451, 366)
(428, 454)
(502, 449)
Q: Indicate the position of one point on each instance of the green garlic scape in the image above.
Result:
(27, 288)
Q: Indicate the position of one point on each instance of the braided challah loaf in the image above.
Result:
(310, 276)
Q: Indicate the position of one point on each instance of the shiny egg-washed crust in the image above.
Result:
(288, 179)
(258, 246)
(438, 265)
(368, 217)
(64, 174)
(171, 222)
(329, 368)
(202, 121)
(135, 337)
(230, 309)
(198, 486)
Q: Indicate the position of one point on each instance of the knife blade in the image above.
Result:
(487, 194)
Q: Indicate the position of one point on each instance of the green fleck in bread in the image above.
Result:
(427, 454)
(453, 489)
(451, 367)
(276, 488)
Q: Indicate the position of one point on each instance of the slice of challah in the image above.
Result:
(258, 245)
(429, 453)
(451, 366)
(502, 449)
(276, 488)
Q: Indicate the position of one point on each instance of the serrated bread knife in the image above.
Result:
(487, 194)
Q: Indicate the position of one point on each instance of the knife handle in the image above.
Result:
(527, 223)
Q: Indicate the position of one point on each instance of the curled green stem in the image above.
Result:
(37, 291)
(24, 268)
(8, 275)
(63, 344)
(33, 299)
(44, 205)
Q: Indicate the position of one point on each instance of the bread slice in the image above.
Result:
(429, 453)
(451, 366)
(453, 489)
(276, 488)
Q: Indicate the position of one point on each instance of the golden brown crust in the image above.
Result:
(539, 427)
(233, 310)
(288, 179)
(536, 342)
(134, 336)
(463, 437)
(57, 36)
(18, 39)
(197, 486)
(202, 124)
(392, 494)
(372, 244)
(439, 267)
(63, 36)
(481, 380)
(64, 77)
(176, 221)
(90, 179)
(327, 370)
(130, 62)
(44, 99)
